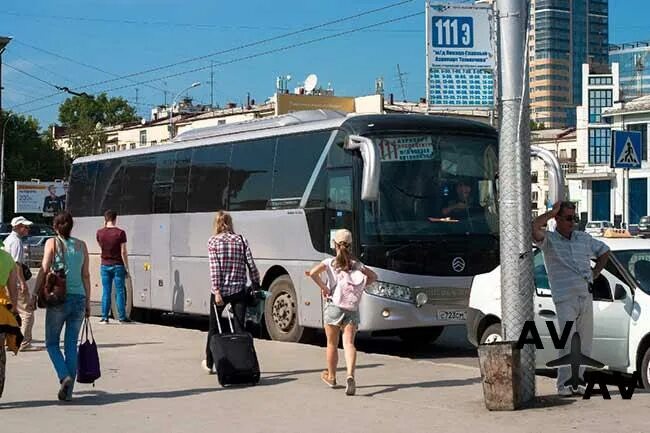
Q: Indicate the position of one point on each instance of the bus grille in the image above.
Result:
(444, 295)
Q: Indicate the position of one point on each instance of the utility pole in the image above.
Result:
(211, 84)
(517, 281)
(400, 76)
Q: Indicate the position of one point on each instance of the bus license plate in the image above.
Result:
(452, 315)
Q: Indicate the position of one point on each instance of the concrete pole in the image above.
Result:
(517, 280)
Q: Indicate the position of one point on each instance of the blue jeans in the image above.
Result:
(113, 274)
(71, 313)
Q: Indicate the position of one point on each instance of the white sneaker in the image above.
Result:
(580, 390)
(565, 391)
(204, 366)
(350, 386)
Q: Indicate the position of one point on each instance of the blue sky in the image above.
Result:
(123, 37)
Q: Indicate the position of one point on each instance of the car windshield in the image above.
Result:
(637, 263)
(593, 225)
(433, 185)
(41, 230)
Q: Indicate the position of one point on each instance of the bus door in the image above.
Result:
(161, 282)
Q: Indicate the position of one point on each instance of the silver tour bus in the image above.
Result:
(418, 193)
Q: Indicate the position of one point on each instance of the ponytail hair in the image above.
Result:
(63, 224)
(222, 223)
(343, 259)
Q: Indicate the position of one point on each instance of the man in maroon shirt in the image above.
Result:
(114, 268)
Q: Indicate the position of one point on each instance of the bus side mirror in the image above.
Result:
(371, 166)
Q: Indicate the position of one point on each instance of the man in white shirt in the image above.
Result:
(26, 299)
(567, 257)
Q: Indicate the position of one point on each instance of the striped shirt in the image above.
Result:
(568, 262)
(229, 256)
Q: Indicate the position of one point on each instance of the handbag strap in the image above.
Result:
(60, 253)
(87, 327)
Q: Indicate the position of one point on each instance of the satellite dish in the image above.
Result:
(310, 83)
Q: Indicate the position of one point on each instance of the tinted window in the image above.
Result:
(338, 156)
(108, 189)
(82, 189)
(138, 184)
(181, 180)
(251, 174)
(162, 182)
(295, 160)
(209, 178)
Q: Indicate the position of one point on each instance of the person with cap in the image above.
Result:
(347, 277)
(13, 244)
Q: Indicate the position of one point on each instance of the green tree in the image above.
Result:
(28, 155)
(85, 116)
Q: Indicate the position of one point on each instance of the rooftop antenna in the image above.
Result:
(400, 76)
(310, 83)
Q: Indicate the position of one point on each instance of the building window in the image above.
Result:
(600, 81)
(132, 146)
(143, 138)
(533, 177)
(562, 153)
(221, 122)
(643, 129)
(154, 142)
(574, 154)
(599, 145)
(535, 196)
(598, 99)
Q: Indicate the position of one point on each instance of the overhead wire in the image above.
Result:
(238, 48)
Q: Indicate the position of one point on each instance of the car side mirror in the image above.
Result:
(619, 293)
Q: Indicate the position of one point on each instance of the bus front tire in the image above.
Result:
(425, 335)
(281, 312)
(492, 334)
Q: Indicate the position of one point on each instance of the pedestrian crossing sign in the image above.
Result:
(626, 149)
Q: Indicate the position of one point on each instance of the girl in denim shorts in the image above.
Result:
(346, 278)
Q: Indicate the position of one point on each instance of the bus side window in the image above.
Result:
(137, 185)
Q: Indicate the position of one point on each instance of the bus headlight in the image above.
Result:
(392, 291)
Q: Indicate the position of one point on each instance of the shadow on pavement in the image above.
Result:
(433, 384)
(546, 401)
(114, 345)
(103, 398)
(278, 374)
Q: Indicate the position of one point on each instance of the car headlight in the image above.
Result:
(392, 291)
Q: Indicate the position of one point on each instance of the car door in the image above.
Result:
(544, 311)
(611, 317)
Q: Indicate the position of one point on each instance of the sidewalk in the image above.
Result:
(152, 382)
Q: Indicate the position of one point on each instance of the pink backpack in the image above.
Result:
(349, 288)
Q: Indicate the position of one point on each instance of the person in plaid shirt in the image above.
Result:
(229, 256)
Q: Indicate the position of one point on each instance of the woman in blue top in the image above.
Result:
(71, 254)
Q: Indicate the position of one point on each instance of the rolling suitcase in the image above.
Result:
(234, 356)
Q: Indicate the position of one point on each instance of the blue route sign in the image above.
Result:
(626, 149)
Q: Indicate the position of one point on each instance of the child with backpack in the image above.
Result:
(347, 277)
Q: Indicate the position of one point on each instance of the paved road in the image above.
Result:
(451, 347)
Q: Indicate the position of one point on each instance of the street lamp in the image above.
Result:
(171, 110)
(2, 168)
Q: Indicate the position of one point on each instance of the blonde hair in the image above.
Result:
(222, 223)
(343, 259)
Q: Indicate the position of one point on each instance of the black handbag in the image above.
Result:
(253, 291)
(27, 273)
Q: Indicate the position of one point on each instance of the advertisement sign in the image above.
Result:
(46, 198)
(460, 56)
(286, 103)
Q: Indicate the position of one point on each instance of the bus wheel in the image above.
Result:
(645, 370)
(416, 336)
(281, 312)
(128, 301)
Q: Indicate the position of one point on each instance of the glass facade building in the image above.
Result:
(567, 33)
(634, 61)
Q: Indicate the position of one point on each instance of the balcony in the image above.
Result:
(590, 172)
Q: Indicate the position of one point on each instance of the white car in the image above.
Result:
(621, 309)
(597, 228)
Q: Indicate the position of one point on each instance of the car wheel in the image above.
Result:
(492, 334)
(281, 312)
(645, 370)
(421, 336)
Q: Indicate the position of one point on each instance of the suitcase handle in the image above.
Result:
(216, 315)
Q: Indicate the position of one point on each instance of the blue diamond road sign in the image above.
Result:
(626, 149)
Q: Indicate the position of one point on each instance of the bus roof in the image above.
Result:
(302, 121)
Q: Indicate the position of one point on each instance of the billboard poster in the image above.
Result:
(46, 198)
(460, 56)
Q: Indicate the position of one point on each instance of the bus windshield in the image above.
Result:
(433, 185)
